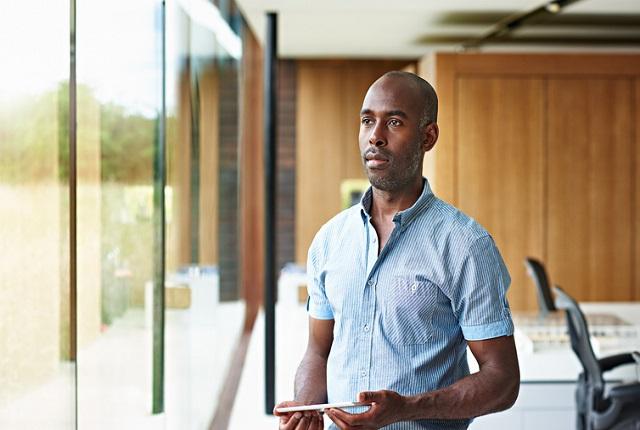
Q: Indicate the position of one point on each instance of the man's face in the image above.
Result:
(392, 144)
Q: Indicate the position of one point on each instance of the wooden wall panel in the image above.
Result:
(209, 147)
(542, 64)
(251, 175)
(590, 232)
(329, 98)
(590, 185)
(500, 169)
(636, 209)
(178, 251)
(425, 68)
(319, 138)
(440, 162)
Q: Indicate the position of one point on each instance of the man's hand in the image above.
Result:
(307, 420)
(386, 408)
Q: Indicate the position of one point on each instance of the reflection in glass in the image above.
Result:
(119, 90)
(202, 141)
(119, 103)
(36, 373)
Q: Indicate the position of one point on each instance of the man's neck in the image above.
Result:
(385, 204)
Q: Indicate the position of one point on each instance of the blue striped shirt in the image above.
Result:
(402, 318)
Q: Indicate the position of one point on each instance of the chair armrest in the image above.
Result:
(625, 393)
(613, 361)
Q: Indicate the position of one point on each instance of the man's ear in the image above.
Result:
(431, 133)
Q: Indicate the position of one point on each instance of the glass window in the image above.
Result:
(36, 370)
(203, 93)
(148, 73)
(119, 72)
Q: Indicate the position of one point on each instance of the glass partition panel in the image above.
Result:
(204, 313)
(120, 127)
(119, 70)
(36, 370)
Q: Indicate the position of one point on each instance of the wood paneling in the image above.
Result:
(251, 175)
(320, 119)
(590, 177)
(425, 68)
(636, 208)
(440, 162)
(585, 161)
(329, 98)
(543, 64)
(209, 146)
(500, 169)
(177, 246)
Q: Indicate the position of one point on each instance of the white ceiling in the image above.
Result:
(407, 28)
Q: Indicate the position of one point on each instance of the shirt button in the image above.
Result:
(363, 373)
(370, 282)
(366, 327)
(374, 240)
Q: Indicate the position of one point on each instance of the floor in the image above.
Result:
(249, 408)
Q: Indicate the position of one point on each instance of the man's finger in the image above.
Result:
(303, 424)
(316, 423)
(284, 419)
(370, 396)
(351, 419)
(289, 422)
(331, 413)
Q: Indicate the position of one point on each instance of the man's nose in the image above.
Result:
(377, 136)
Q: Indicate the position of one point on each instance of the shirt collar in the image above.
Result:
(403, 218)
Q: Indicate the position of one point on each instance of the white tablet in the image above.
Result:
(321, 407)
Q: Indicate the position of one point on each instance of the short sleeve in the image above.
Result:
(480, 302)
(318, 305)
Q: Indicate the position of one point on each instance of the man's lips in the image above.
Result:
(375, 161)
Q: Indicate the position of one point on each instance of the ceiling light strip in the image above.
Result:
(512, 22)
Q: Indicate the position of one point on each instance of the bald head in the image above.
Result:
(397, 127)
(423, 92)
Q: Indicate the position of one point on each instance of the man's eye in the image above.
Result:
(366, 121)
(394, 122)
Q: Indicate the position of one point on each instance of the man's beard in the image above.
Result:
(398, 177)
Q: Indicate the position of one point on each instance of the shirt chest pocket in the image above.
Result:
(407, 310)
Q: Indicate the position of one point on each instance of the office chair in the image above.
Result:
(537, 271)
(617, 408)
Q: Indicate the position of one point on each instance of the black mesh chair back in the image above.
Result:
(616, 408)
(579, 336)
(537, 271)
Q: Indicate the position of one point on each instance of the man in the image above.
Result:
(399, 285)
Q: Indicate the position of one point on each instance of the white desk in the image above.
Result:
(548, 378)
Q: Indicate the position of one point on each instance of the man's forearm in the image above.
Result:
(311, 379)
(490, 390)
